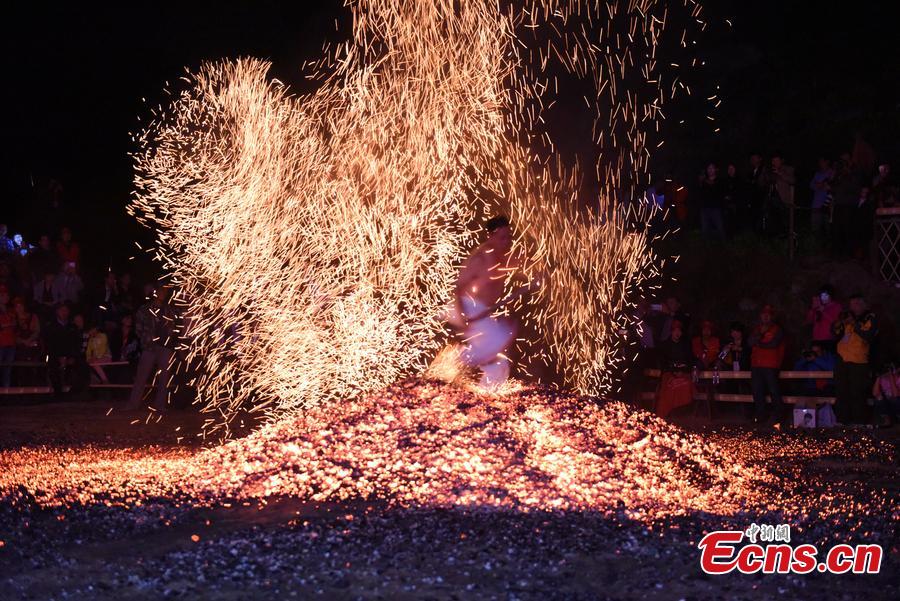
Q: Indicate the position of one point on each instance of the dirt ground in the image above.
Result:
(164, 546)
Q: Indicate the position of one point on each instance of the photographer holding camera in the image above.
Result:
(854, 331)
(822, 314)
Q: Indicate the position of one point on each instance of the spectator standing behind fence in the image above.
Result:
(63, 344)
(97, 351)
(737, 211)
(44, 297)
(712, 203)
(822, 314)
(670, 312)
(706, 346)
(676, 389)
(845, 193)
(8, 280)
(68, 286)
(28, 332)
(43, 259)
(124, 344)
(735, 355)
(757, 182)
(780, 196)
(67, 249)
(7, 337)
(821, 188)
(886, 393)
(7, 248)
(154, 323)
(862, 224)
(127, 304)
(106, 309)
(767, 343)
(816, 358)
(855, 331)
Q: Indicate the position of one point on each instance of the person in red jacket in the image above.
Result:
(7, 337)
(767, 344)
(68, 251)
(706, 346)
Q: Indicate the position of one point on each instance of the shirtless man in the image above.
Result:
(479, 292)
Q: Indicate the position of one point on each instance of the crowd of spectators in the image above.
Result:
(48, 314)
(837, 206)
(843, 341)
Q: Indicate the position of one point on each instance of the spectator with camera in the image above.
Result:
(822, 314)
(854, 331)
(735, 354)
(706, 346)
(816, 358)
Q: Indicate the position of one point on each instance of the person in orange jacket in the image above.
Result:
(767, 354)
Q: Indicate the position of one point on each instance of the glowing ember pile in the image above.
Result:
(422, 443)
(313, 239)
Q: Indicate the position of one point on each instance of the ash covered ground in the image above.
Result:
(427, 491)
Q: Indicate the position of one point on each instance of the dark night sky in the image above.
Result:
(796, 76)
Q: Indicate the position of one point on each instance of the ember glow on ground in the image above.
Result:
(467, 492)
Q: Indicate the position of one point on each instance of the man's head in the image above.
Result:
(78, 320)
(706, 328)
(65, 234)
(816, 349)
(44, 242)
(62, 312)
(677, 331)
(858, 304)
(19, 305)
(736, 329)
(160, 296)
(711, 170)
(499, 232)
(732, 170)
(767, 315)
(777, 162)
(755, 160)
(826, 293)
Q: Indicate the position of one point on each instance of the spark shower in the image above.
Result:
(314, 238)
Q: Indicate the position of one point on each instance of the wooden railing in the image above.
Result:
(707, 389)
(43, 365)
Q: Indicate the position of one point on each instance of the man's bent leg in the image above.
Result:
(495, 373)
(163, 361)
(145, 368)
